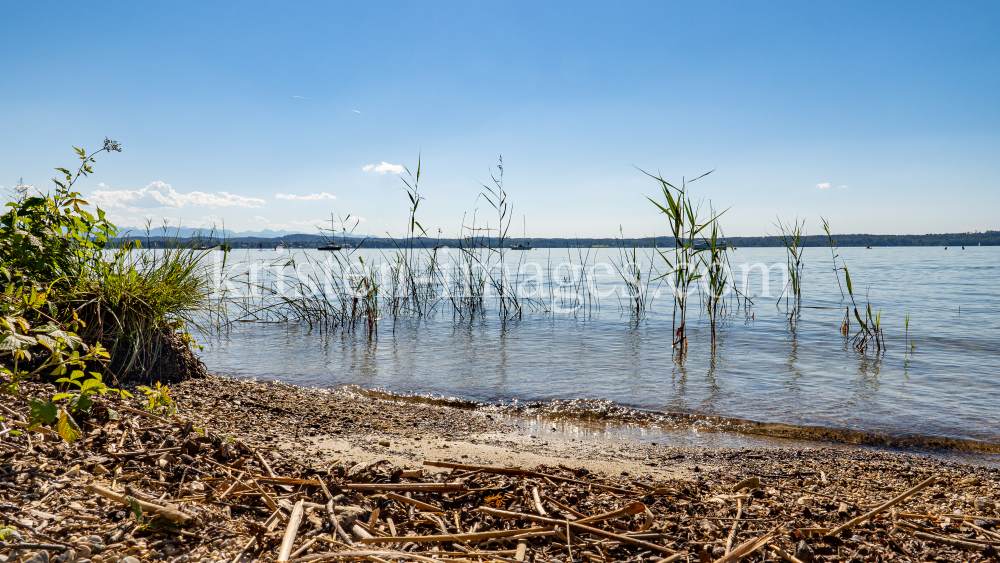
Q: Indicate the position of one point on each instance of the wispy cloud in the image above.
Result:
(261, 219)
(385, 168)
(323, 195)
(823, 186)
(301, 97)
(159, 194)
(842, 186)
(355, 111)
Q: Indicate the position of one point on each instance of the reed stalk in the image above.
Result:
(791, 237)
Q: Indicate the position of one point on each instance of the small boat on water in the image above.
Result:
(331, 246)
(525, 246)
(222, 247)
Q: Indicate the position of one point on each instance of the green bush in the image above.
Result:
(75, 309)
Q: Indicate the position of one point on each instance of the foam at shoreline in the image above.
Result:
(605, 416)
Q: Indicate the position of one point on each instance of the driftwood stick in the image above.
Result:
(269, 524)
(515, 471)
(748, 547)
(359, 532)
(736, 524)
(475, 536)
(563, 507)
(576, 526)
(538, 504)
(784, 554)
(522, 548)
(419, 504)
(305, 547)
(963, 544)
(143, 413)
(333, 555)
(866, 516)
(285, 553)
(164, 511)
(260, 458)
(337, 530)
(417, 487)
(630, 509)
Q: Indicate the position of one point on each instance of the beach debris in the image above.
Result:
(196, 485)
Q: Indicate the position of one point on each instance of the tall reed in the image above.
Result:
(833, 254)
(791, 237)
(682, 264)
(638, 283)
(715, 257)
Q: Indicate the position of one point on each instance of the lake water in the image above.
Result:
(764, 368)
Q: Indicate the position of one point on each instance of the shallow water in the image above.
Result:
(764, 368)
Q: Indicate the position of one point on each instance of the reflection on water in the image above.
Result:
(765, 368)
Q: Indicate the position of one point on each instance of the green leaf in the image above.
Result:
(67, 427)
(82, 403)
(42, 412)
(92, 385)
(136, 509)
(848, 276)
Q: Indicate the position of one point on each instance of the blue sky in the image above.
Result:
(221, 107)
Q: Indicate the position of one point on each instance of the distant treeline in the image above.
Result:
(988, 238)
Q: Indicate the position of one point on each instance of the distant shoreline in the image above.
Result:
(958, 240)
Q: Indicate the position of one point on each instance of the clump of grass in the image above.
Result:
(715, 257)
(791, 237)
(682, 261)
(134, 302)
(870, 335)
(638, 283)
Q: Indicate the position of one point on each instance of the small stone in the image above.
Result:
(803, 552)
(809, 482)
(974, 481)
(718, 551)
(804, 501)
(83, 551)
(130, 559)
(99, 469)
(384, 443)
(226, 543)
(984, 504)
(751, 483)
(984, 524)
(40, 557)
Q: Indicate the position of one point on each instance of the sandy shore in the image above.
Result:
(321, 428)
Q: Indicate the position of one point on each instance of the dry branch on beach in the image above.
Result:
(166, 488)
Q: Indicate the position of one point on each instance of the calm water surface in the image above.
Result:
(764, 369)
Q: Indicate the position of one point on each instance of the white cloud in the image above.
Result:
(355, 111)
(159, 194)
(385, 168)
(842, 186)
(823, 186)
(261, 219)
(323, 195)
